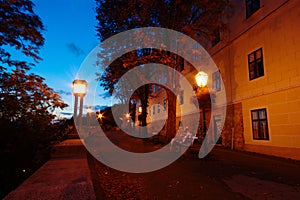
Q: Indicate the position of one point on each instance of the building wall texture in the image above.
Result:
(274, 28)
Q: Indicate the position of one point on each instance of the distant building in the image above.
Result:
(258, 55)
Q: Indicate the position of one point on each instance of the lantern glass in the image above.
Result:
(79, 87)
(201, 79)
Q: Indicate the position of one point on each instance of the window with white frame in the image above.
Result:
(260, 124)
(255, 64)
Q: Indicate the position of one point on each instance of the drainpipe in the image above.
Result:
(232, 138)
(232, 128)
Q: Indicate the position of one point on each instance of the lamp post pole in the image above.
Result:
(204, 120)
(80, 111)
(89, 110)
(99, 117)
(202, 94)
(75, 107)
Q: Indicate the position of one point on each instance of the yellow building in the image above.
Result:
(258, 55)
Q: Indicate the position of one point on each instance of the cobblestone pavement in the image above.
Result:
(225, 174)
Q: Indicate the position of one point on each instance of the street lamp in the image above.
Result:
(201, 79)
(99, 117)
(140, 110)
(89, 111)
(202, 94)
(79, 90)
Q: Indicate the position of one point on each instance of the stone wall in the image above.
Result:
(233, 127)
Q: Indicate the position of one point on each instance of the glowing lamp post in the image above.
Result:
(202, 94)
(79, 90)
(99, 117)
(140, 110)
(89, 111)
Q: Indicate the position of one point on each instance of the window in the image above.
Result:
(165, 77)
(154, 88)
(165, 104)
(196, 52)
(196, 46)
(158, 86)
(181, 97)
(216, 81)
(260, 124)
(195, 56)
(255, 63)
(181, 64)
(216, 37)
(153, 109)
(251, 7)
(158, 108)
(180, 124)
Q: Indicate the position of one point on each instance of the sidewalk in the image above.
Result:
(65, 176)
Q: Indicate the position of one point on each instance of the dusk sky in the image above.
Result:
(69, 37)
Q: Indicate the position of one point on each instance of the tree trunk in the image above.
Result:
(171, 122)
(144, 94)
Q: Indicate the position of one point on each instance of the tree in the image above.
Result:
(194, 18)
(23, 95)
(26, 102)
(20, 29)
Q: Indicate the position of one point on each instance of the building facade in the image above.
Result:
(257, 53)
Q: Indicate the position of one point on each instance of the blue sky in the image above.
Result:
(69, 36)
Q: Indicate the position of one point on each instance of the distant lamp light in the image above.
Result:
(127, 115)
(89, 110)
(100, 116)
(201, 79)
(140, 109)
